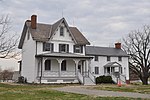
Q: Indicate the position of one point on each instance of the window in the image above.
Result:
(119, 58)
(63, 47)
(61, 31)
(48, 65)
(48, 47)
(108, 58)
(63, 65)
(96, 58)
(96, 70)
(78, 49)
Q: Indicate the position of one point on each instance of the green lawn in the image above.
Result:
(44, 92)
(139, 88)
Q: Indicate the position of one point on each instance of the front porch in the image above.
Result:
(61, 69)
(114, 70)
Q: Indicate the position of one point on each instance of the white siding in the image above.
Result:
(28, 59)
(102, 60)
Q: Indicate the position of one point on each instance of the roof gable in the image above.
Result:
(56, 26)
(44, 32)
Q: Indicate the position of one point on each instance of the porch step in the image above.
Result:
(88, 81)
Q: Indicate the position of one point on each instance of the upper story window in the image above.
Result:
(48, 46)
(48, 65)
(63, 65)
(96, 58)
(119, 58)
(78, 49)
(108, 58)
(63, 47)
(61, 31)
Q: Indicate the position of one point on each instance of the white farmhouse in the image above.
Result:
(57, 53)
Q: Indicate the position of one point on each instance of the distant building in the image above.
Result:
(57, 53)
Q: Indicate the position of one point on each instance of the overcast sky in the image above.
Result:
(103, 22)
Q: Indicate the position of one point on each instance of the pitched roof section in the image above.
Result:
(104, 51)
(44, 32)
(78, 36)
(55, 25)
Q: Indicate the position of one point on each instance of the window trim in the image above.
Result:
(50, 48)
(78, 48)
(61, 31)
(119, 58)
(108, 58)
(47, 68)
(66, 48)
(96, 69)
(95, 58)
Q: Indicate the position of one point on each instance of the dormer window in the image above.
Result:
(61, 31)
(48, 47)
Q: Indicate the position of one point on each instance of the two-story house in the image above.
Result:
(53, 53)
(109, 61)
(57, 53)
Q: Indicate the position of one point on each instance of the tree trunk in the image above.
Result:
(144, 80)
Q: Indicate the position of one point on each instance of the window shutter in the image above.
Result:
(81, 49)
(44, 46)
(59, 47)
(52, 47)
(74, 48)
(67, 47)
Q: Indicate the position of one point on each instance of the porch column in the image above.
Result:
(59, 61)
(86, 68)
(110, 70)
(76, 66)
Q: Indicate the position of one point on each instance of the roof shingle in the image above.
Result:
(104, 51)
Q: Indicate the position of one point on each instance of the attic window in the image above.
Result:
(61, 31)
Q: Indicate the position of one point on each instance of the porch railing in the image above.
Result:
(91, 76)
(56, 74)
(80, 77)
(50, 74)
(68, 73)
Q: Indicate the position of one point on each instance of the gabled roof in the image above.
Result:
(104, 51)
(44, 32)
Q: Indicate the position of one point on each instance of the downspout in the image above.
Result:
(36, 48)
(41, 69)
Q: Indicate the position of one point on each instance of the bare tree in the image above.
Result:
(8, 42)
(6, 75)
(137, 45)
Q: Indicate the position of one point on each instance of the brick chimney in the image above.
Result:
(33, 21)
(118, 45)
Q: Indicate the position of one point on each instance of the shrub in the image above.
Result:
(104, 79)
(21, 79)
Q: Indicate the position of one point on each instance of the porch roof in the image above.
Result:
(62, 55)
(112, 64)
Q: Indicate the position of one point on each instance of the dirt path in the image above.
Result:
(83, 90)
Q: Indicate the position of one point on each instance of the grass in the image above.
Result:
(138, 88)
(44, 92)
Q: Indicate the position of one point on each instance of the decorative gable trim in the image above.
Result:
(58, 25)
